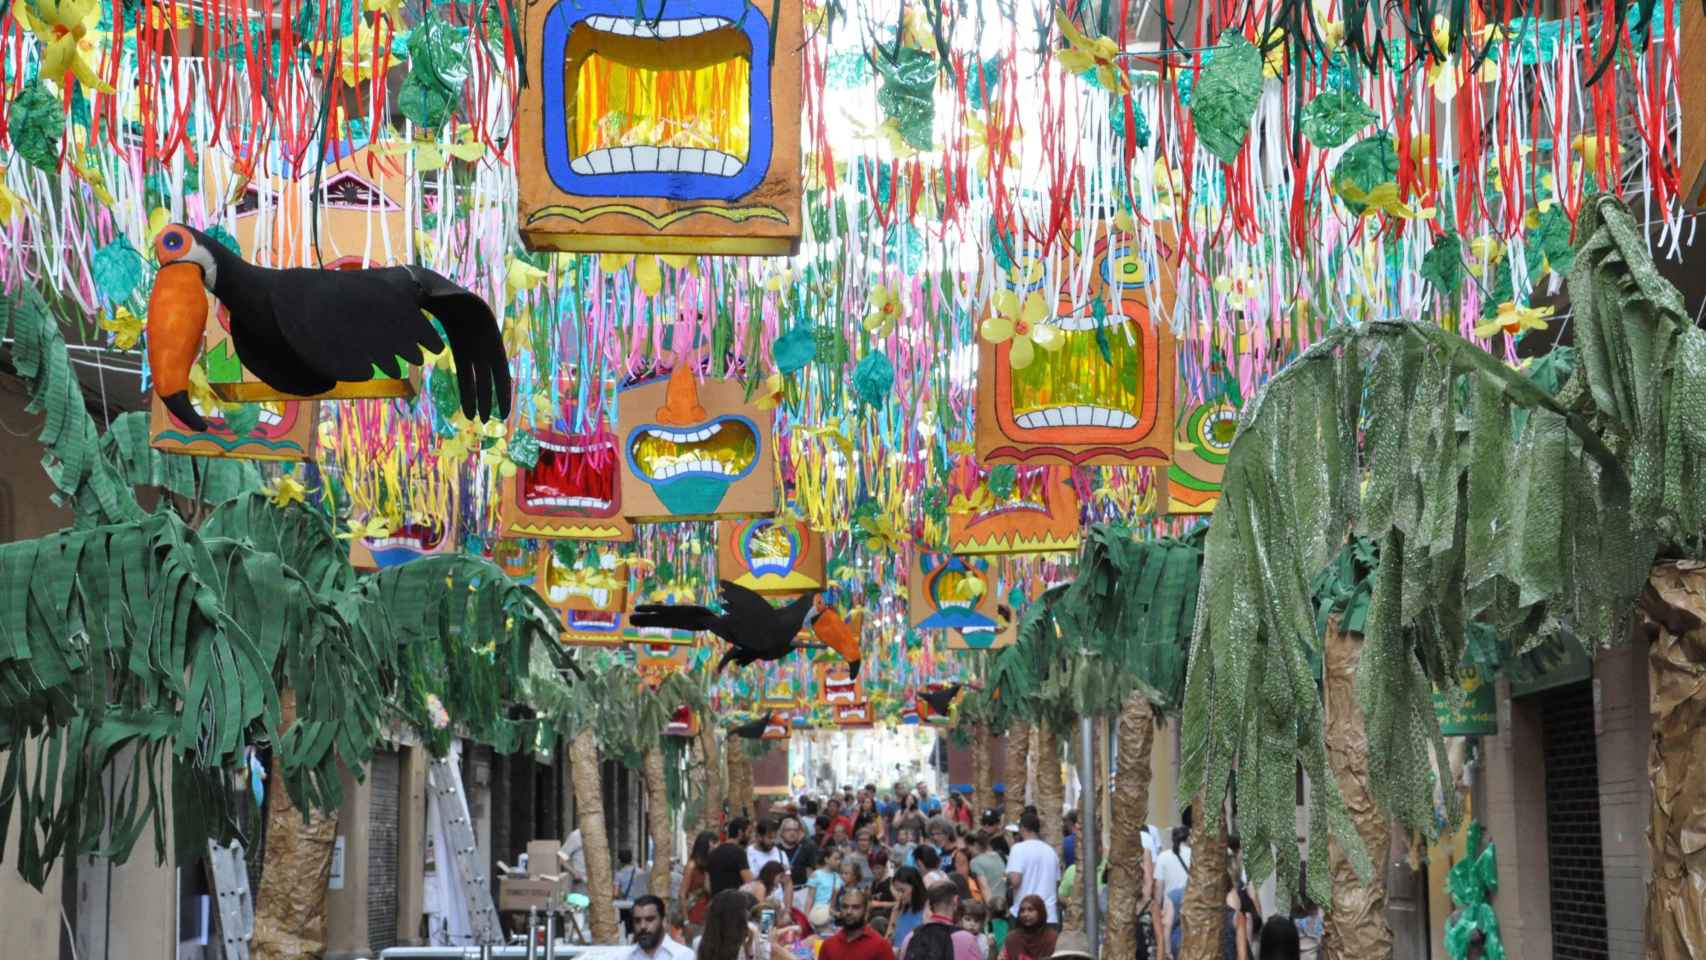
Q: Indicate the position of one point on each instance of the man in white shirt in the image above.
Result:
(1033, 868)
(764, 850)
(650, 940)
(572, 857)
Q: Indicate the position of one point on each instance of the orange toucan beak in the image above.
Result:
(833, 632)
(177, 315)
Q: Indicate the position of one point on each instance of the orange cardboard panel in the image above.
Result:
(655, 663)
(584, 577)
(770, 556)
(952, 592)
(857, 714)
(694, 451)
(656, 127)
(417, 536)
(836, 686)
(1200, 449)
(1106, 395)
(282, 430)
(1039, 515)
(574, 490)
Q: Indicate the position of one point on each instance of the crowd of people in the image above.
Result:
(908, 876)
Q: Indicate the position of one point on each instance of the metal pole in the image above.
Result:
(1089, 794)
(532, 936)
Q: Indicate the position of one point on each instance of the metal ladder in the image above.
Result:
(459, 828)
(229, 872)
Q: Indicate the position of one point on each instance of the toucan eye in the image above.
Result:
(173, 241)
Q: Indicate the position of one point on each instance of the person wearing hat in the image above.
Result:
(1072, 945)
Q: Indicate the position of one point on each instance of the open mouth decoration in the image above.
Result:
(280, 431)
(515, 560)
(1199, 457)
(954, 607)
(413, 539)
(689, 459)
(591, 627)
(1040, 515)
(770, 556)
(682, 723)
(840, 691)
(657, 99)
(780, 694)
(583, 576)
(575, 477)
(1077, 386)
(853, 714)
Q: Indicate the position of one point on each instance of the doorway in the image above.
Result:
(1572, 823)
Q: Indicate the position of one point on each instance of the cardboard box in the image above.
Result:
(542, 857)
(525, 893)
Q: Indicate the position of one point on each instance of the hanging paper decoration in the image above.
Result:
(572, 490)
(854, 715)
(1691, 104)
(1004, 632)
(1199, 456)
(583, 576)
(836, 685)
(770, 555)
(655, 663)
(518, 559)
(694, 451)
(656, 127)
(950, 592)
(683, 722)
(1035, 514)
(1086, 378)
(393, 536)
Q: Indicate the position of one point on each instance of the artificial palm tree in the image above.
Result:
(711, 774)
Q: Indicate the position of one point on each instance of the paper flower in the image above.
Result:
(1588, 145)
(126, 328)
(521, 276)
(11, 205)
(66, 31)
(882, 308)
(373, 528)
(648, 270)
(1093, 56)
(1484, 251)
(1514, 320)
(769, 395)
(979, 500)
(1273, 60)
(284, 491)
(1383, 198)
(436, 714)
(1022, 323)
(361, 53)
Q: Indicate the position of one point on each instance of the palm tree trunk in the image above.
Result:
(659, 818)
(1203, 911)
(1126, 817)
(740, 777)
(1016, 780)
(982, 774)
(595, 838)
(290, 906)
(1675, 612)
(1356, 920)
(1051, 792)
(711, 768)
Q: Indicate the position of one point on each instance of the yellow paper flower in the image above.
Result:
(1273, 61)
(1514, 319)
(1383, 199)
(373, 528)
(977, 140)
(1484, 251)
(521, 276)
(11, 205)
(126, 328)
(769, 396)
(361, 52)
(284, 491)
(66, 31)
(1588, 145)
(980, 500)
(1022, 323)
(883, 308)
(1330, 32)
(1098, 56)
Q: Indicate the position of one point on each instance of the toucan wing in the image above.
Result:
(749, 619)
(752, 729)
(347, 323)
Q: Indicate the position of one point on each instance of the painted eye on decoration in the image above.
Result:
(172, 241)
(1124, 268)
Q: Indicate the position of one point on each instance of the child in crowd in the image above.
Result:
(825, 881)
(900, 855)
(974, 916)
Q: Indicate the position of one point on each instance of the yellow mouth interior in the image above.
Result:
(723, 447)
(1076, 386)
(684, 100)
(771, 545)
(951, 587)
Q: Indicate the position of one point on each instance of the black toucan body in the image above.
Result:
(301, 331)
(752, 729)
(940, 700)
(753, 628)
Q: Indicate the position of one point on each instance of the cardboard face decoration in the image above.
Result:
(1036, 513)
(856, 714)
(518, 559)
(779, 692)
(683, 722)
(659, 636)
(694, 451)
(417, 535)
(835, 686)
(588, 590)
(573, 491)
(770, 556)
(950, 592)
(1199, 456)
(654, 664)
(1105, 396)
(662, 127)
(1004, 633)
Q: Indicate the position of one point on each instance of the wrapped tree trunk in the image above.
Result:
(595, 839)
(711, 765)
(1126, 817)
(1051, 792)
(1356, 919)
(1203, 911)
(740, 777)
(982, 774)
(1674, 611)
(1017, 778)
(658, 821)
(290, 906)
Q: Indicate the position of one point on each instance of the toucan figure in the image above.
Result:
(301, 331)
(838, 635)
(940, 700)
(753, 729)
(753, 628)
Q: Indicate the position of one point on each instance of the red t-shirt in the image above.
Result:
(869, 946)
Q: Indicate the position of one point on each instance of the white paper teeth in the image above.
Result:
(385, 543)
(1082, 320)
(1076, 416)
(687, 436)
(645, 159)
(655, 30)
(680, 467)
(590, 503)
(270, 419)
